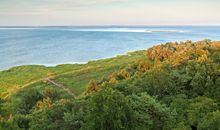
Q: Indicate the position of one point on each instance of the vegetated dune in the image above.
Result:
(169, 86)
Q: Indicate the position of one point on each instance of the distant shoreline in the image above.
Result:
(31, 45)
(211, 25)
(68, 63)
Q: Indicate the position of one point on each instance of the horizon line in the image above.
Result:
(79, 25)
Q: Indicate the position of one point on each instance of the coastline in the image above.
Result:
(19, 76)
(69, 63)
(45, 46)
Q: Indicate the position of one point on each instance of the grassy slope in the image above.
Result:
(75, 77)
(15, 78)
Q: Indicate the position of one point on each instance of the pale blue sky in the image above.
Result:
(109, 12)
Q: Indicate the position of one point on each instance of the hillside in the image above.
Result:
(20, 77)
(172, 86)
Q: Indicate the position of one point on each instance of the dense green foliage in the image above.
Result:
(175, 87)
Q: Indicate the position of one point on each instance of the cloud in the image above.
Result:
(92, 2)
(82, 3)
(73, 3)
(37, 12)
(35, 7)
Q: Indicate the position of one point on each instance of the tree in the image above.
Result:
(210, 122)
(8, 125)
(28, 101)
(157, 83)
(23, 121)
(109, 110)
(144, 65)
(51, 93)
(92, 87)
(1, 107)
(148, 113)
(45, 103)
(198, 109)
(49, 118)
(75, 118)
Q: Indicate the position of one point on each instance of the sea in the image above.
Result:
(53, 45)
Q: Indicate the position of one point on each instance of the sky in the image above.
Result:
(109, 12)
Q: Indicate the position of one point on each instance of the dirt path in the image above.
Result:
(61, 86)
(62, 74)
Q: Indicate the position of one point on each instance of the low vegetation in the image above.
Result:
(173, 86)
(17, 78)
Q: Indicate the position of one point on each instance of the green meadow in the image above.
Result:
(73, 76)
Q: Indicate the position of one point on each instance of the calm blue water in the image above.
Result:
(60, 45)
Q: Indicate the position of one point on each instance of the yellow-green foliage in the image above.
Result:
(159, 56)
(75, 76)
(15, 78)
(177, 54)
